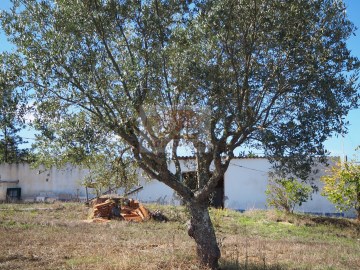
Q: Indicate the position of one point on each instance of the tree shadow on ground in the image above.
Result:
(337, 222)
(233, 265)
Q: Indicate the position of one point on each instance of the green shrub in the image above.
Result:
(285, 194)
(342, 186)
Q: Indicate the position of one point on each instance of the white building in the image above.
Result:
(243, 187)
(41, 183)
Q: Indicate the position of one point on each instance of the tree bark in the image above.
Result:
(201, 229)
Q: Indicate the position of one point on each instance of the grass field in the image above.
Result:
(55, 236)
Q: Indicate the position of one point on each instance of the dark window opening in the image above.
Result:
(190, 180)
(13, 194)
(216, 198)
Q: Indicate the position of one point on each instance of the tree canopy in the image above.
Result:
(214, 75)
(12, 111)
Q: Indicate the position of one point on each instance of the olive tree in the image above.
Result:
(211, 75)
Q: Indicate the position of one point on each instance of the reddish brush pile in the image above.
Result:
(112, 209)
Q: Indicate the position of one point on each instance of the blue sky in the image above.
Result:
(338, 145)
(346, 145)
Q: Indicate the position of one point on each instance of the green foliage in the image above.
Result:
(212, 75)
(107, 172)
(75, 141)
(279, 77)
(132, 67)
(342, 186)
(12, 111)
(285, 194)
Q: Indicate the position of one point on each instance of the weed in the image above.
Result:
(56, 238)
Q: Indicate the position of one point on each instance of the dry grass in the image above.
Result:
(55, 237)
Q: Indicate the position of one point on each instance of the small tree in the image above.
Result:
(342, 186)
(285, 194)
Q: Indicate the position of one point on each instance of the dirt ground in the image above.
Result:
(55, 236)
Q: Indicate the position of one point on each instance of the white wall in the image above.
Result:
(156, 192)
(40, 182)
(245, 184)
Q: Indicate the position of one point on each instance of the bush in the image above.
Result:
(285, 194)
(342, 186)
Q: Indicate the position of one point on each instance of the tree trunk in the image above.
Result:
(358, 201)
(6, 146)
(201, 229)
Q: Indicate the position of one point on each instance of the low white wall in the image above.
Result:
(246, 181)
(245, 184)
(156, 192)
(41, 182)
